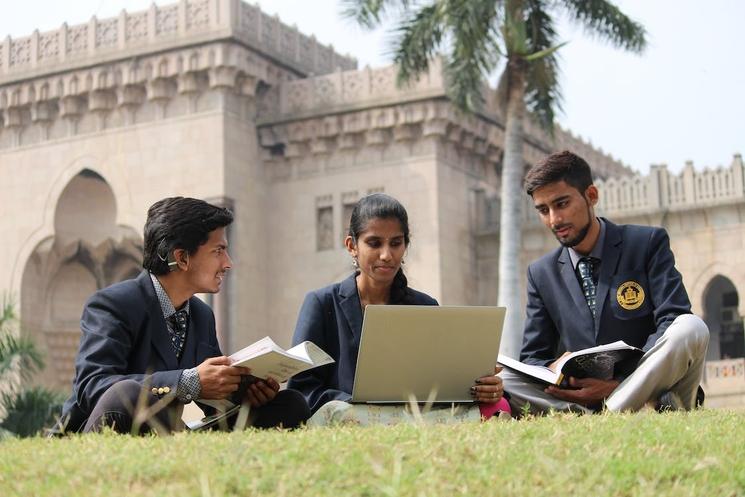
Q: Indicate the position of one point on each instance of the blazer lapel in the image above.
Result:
(349, 301)
(158, 329)
(610, 256)
(573, 289)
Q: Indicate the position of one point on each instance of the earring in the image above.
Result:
(403, 262)
(355, 263)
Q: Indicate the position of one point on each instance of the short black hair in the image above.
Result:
(560, 166)
(179, 223)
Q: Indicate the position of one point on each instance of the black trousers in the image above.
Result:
(127, 407)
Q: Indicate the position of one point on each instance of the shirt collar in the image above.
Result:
(165, 302)
(597, 250)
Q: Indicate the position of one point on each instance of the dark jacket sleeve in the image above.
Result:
(540, 338)
(669, 296)
(316, 325)
(107, 341)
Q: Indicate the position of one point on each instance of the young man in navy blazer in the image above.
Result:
(606, 282)
(149, 346)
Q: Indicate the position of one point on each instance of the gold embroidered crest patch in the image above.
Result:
(630, 295)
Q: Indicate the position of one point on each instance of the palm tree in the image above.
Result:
(23, 411)
(478, 36)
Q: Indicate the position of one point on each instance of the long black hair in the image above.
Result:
(382, 206)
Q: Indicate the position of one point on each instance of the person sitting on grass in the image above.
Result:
(606, 282)
(331, 317)
(149, 346)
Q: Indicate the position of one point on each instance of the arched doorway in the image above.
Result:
(721, 314)
(87, 251)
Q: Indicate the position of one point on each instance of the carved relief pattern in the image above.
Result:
(287, 41)
(20, 51)
(198, 14)
(297, 96)
(166, 21)
(353, 85)
(136, 26)
(77, 39)
(326, 92)
(305, 50)
(325, 55)
(107, 33)
(269, 32)
(383, 81)
(49, 45)
(249, 20)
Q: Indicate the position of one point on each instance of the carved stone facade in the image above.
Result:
(215, 99)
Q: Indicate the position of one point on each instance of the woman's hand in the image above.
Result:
(488, 389)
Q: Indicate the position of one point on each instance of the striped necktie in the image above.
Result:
(585, 267)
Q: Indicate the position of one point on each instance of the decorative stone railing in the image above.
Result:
(662, 190)
(657, 192)
(357, 90)
(159, 28)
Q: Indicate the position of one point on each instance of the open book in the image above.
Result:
(266, 358)
(595, 362)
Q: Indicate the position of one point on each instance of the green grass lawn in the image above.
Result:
(700, 454)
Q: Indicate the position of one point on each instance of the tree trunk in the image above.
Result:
(510, 225)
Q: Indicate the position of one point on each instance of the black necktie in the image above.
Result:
(585, 267)
(179, 324)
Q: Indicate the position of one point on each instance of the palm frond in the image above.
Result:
(474, 51)
(369, 13)
(607, 22)
(20, 353)
(30, 411)
(542, 92)
(418, 39)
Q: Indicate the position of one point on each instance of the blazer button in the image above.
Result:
(161, 391)
(166, 389)
(154, 390)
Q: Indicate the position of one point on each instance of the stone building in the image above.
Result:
(216, 100)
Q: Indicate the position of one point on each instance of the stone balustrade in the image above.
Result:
(159, 28)
(662, 190)
(657, 192)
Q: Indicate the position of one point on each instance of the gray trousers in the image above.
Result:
(675, 363)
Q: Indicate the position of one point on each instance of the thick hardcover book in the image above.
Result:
(265, 358)
(596, 362)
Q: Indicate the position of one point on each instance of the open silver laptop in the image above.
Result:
(429, 352)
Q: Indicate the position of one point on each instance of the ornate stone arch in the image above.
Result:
(86, 250)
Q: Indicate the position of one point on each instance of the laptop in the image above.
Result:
(429, 353)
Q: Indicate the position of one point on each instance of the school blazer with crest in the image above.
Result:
(124, 336)
(331, 317)
(634, 258)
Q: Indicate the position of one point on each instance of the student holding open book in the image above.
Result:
(331, 317)
(605, 283)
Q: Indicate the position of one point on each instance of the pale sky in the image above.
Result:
(681, 100)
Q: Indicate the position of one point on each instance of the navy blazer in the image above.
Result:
(124, 336)
(332, 319)
(558, 317)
